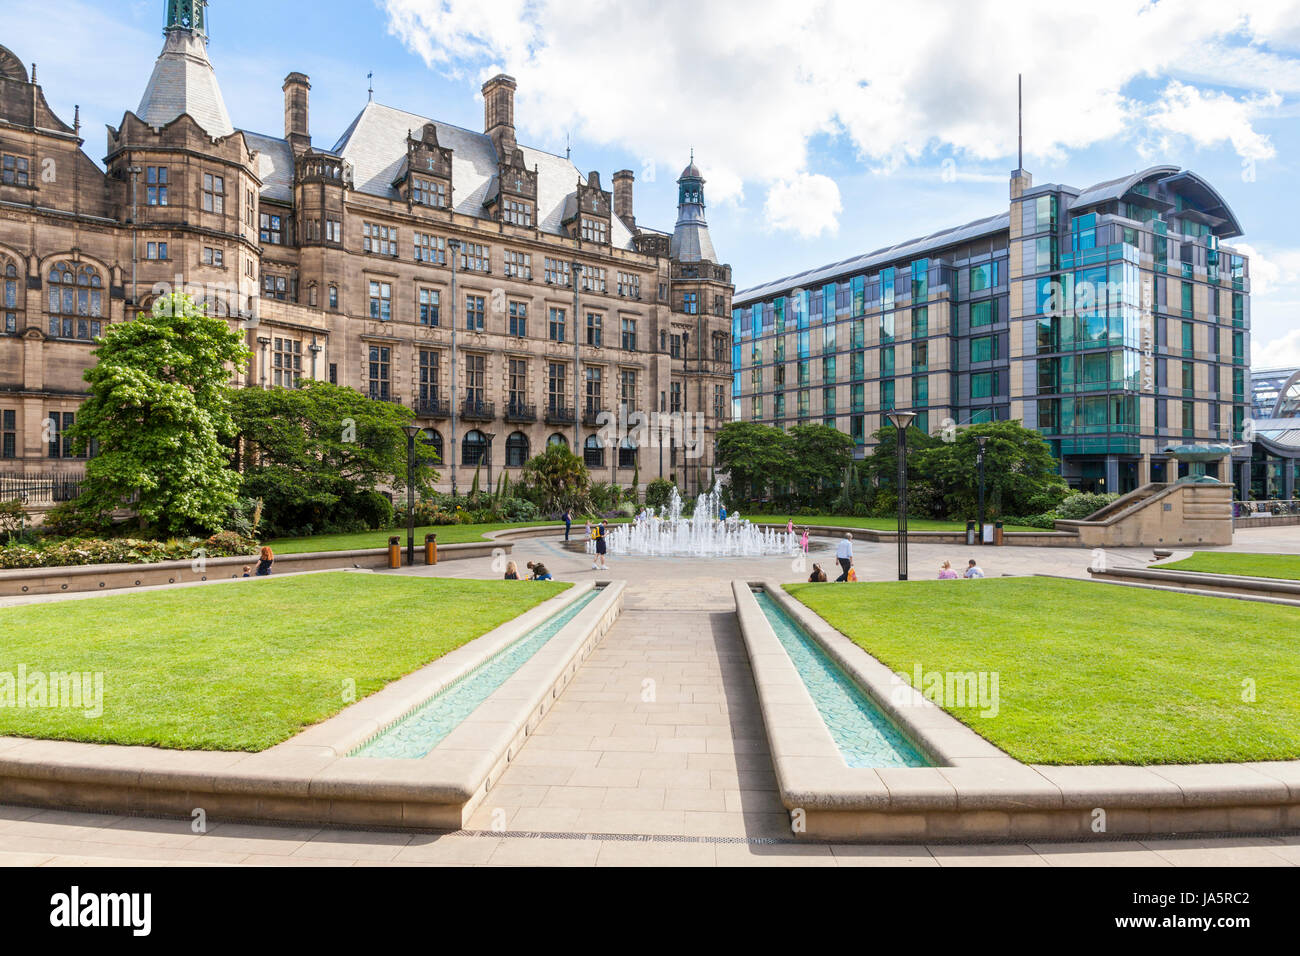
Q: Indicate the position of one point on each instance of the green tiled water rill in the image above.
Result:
(864, 735)
(423, 728)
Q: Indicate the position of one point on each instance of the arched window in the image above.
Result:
(76, 301)
(473, 448)
(10, 300)
(334, 297)
(431, 440)
(557, 439)
(593, 452)
(311, 294)
(516, 450)
(627, 454)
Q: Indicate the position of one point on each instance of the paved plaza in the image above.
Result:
(655, 753)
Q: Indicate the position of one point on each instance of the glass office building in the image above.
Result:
(1111, 319)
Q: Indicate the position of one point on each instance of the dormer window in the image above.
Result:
(594, 230)
(517, 212)
(427, 192)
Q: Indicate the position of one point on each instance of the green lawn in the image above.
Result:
(243, 665)
(1091, 673)
(1251, 565)
(459, 533)
(447, 534)
(872, 524)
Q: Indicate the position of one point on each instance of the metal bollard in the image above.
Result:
(430, 549)
(394, 553)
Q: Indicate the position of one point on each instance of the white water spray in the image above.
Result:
(704, 534)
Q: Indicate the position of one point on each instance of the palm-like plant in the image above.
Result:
(558, 478)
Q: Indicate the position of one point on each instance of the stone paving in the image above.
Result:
(655, 753)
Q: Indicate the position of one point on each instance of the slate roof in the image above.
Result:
(375, 145)
(274, 165)
(183, 82)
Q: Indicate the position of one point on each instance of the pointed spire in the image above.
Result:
(691, 242)
(183, 80)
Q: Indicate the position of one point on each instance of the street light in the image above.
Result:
(411, 431)
(454, 246)
(900, 421)
(981, 441)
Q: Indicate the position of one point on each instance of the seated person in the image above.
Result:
(539, 572)
(512, 572)
(817, 574)
(973, 570)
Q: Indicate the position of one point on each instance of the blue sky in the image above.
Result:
(824, 129)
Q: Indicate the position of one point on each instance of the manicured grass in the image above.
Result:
(244, 665)
(1092, 673)
(873, 524)
(447, 534)
(1285, 566)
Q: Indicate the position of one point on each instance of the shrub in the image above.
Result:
(80, 551)
(1079, 505)
(1045, 521)
(658, 493)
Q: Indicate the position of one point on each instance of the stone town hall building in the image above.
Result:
(365, 264)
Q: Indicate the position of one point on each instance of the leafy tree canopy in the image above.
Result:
(158, 416)
(317, 455)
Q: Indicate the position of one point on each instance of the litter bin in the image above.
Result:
(997, 532)
(430, 549)
(394, 553)
(970, 532)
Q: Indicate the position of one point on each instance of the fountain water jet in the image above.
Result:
(669, 534)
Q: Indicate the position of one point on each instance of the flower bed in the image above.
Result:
(78, 551)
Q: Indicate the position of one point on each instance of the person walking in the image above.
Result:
(568, 523)
(973, 570)
(601, 530)
(844, 555)
(265, 561)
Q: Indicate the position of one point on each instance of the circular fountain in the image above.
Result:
(703, 534)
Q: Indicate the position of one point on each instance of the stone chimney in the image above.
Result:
(297, 130)
(499, 113)
(623, 180)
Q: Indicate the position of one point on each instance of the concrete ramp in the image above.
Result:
(1181, 513)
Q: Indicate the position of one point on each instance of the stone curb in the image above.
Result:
(976, 791)
(17, 582)
(308, 777)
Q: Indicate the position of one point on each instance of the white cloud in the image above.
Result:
(896, 80)
(1209, 119)
(1274, 305)
(807, 205)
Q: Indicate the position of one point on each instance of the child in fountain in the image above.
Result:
(601, 530)
(803, 540)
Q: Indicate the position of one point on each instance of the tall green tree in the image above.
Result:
(318, 455)
(880, 468)
(158, 417)
(820, 456)
(757, 459)
(1021, 477)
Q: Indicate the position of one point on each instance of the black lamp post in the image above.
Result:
(901, 421)
(981, 441)
(411, 432)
